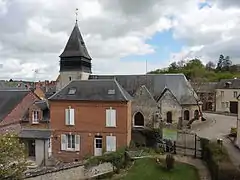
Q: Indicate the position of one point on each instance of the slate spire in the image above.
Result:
(75, 46)
(75, 56)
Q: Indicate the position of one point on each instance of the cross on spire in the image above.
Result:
(76, 12)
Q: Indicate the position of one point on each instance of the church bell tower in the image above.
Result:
(75, 62)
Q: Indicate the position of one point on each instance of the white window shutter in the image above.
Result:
(63, 142)
(114, 143)
(113, 117)
(108, 143)
(33, 116)
(108, 117)
(71, 116)
(77, 142)
(67, 116)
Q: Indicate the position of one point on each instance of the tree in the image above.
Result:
(210, 66)
(12, 157)
(226, 63)
(220, 63)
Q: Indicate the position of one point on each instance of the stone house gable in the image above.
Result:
(144, 103)
(170, 108)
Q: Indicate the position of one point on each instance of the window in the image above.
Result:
(222, 93)
(110, 117)
(111, 142)
(235, 94)
(72, 91)
(223, 105)
(69, 116)
(70, 142)
(227, 104)
(35, 116)
(111, 91)
(70, 78)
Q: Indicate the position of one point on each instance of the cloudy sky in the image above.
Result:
(121, 35)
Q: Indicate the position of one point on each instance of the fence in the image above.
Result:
(188, 144)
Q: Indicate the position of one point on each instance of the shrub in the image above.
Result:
(13, 161)
(218, 161)
(233, 132)
(169, 161)
(118, 159)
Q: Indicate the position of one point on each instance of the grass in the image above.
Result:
(147, 168)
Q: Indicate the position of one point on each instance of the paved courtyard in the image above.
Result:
(219, 126)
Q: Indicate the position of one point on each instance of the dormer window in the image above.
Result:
(227, 84)
(35, 117)
(72, 91)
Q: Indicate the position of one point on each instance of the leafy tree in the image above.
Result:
(12, 157)
(210, 66)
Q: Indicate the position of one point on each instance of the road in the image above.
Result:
(219, 127)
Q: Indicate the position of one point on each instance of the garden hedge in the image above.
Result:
(218, 161)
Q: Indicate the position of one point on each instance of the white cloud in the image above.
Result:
(33, 33)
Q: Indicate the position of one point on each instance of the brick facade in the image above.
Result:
(17, 114)
(90, 120)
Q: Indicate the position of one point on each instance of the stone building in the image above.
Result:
(155, 97)
(206, 92)
(227, 91)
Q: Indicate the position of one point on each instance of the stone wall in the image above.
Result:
(71, 171)
(169, 103)
(144, 103)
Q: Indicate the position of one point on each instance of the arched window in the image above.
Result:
(138, 119)
(186, 115)
(196, 114)
(169, 117)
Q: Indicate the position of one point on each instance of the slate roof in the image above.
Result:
(156, 83)
(206, 87)
(35, 133)
(42, 104)
(75, 46)
(9, 99)
(93, 90)
(233, 84)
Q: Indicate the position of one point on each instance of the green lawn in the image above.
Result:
(147, 169)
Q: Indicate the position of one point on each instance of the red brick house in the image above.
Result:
(88, 118)
(22, 112)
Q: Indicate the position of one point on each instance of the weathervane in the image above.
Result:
(76, 12)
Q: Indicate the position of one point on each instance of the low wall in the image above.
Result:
(74, 171)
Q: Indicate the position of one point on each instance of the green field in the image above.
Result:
(147, 169)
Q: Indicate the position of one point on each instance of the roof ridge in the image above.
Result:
(121, 89)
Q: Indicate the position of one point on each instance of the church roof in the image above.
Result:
(156, 83)
(75, 46)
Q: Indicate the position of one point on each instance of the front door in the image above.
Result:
(98, 146)
(31, 148)
(234, 107)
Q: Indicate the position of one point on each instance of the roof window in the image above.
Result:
(111, 91)
(72, 91)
